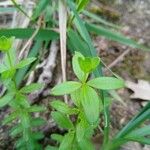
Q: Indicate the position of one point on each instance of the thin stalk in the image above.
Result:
(107, 122)
(11, 66)
(9, 59)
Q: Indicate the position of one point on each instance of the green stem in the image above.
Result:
(107, 122)
(11, 66)
(9, 59)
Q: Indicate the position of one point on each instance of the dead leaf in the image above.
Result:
(141, 89)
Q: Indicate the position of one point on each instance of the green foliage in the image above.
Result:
(39, 8)
(89, 95)
(25, 62)
(62, 120)
(92, 63)
(88, 104)
(106, 83)
(66, 88)
(5, 43)
(26, 33)
(16, 98)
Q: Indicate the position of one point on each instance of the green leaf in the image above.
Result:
(19, 8)
(25, 62)
(66, 88)
(16, 130)
(26, 33)
(60, 106)
(51, 148)
(135, 122)
(83, 129)
(62, 120)
(57, 137)
(20, 142)
(9, 118)
(99, 19)
(63, 107)
(82, 4)
(88, 64)
(86, 144)
(106, 83)
(22, 100)
(144, 131)
(67, 141)
(141, 140)
(115, 36)
(80, 131)
(25, 121)
(91, 104)
(37, 135)
(76, 67)
(6, 99)
(76, 97)
(82, 30)
(5, 43)
(8, 73)
(42, 4)
(31, 88)
(37, 122)
(36, 108)
(76, 43)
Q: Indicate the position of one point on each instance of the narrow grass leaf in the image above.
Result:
(41, 5)
(26, 33)
(99, 19)
(19, 8)
(144, 131)
(82, 4)
(133, 124)
(141, 140)
(76, 43)
(109, 34)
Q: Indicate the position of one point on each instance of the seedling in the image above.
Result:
(16, 98)
(87, 104)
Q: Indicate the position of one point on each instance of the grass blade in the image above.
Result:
(26, 33)
(114, 36)
(39, 8)
(100, 20)
(20, 9)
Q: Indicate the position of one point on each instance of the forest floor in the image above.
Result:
(131, 64)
